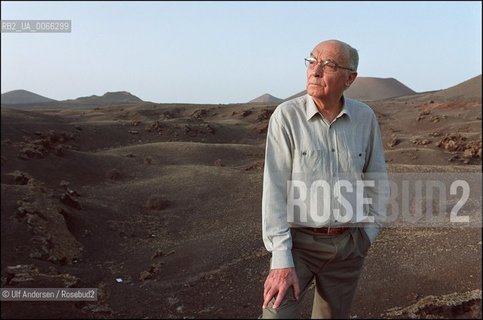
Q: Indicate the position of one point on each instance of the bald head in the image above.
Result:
(349, 54)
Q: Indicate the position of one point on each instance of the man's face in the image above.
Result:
(325, 84)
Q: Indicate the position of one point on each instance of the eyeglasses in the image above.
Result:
(328, 66)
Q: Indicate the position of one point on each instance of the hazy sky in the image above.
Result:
(226, 52)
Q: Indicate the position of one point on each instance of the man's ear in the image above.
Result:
(351, 79)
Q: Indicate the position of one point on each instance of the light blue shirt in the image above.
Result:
(318, 174)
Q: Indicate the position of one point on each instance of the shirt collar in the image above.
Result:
(311, 109)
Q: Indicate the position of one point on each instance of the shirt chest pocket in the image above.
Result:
(356, 161)
(308, 160)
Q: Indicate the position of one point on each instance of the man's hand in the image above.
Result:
(277, 284)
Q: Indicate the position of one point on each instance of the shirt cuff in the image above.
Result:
(282, 259)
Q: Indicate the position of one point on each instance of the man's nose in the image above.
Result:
(318, 70)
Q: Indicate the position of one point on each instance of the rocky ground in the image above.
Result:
(158, 207)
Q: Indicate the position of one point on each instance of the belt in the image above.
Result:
(327, 230)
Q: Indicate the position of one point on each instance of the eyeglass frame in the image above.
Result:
(310, 60)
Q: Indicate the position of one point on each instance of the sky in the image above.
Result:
(233, 52)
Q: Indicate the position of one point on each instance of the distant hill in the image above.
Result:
(107, 98)
(370, 88)
(266, 98)
(469, 89)
(466, 91)
(28, 101)
(24, 97)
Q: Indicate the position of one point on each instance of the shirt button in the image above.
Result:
(333, 150)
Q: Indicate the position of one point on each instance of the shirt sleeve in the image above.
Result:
(277, 172)
(375, 170)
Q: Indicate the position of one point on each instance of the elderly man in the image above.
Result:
(325, 189)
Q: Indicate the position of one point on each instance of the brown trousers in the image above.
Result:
(335, 262)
